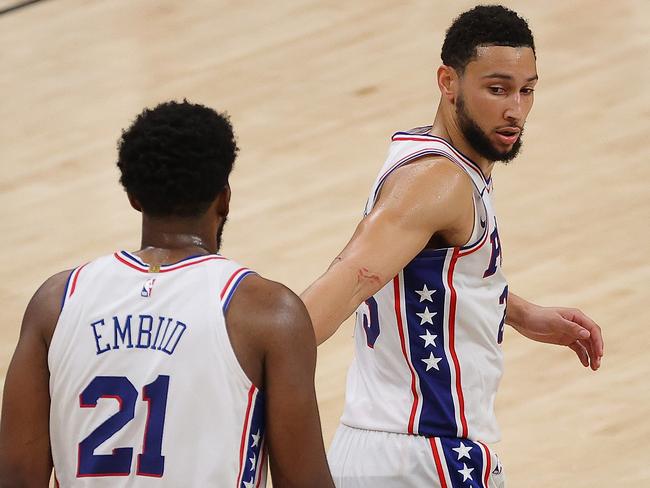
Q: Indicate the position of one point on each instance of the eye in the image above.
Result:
(497, 90)
(527, 91)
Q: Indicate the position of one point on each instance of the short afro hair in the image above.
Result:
(175, 158)
(485, 25)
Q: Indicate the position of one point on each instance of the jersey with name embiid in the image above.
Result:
(145, 387)
(428, 357)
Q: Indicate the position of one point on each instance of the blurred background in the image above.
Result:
(315, 89)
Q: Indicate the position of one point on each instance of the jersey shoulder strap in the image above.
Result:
(417, 143)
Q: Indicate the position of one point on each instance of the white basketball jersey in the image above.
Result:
(428, 359)
(145, 387)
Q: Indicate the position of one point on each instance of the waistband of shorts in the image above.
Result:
(406, 434)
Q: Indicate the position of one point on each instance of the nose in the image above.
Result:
(514, 111)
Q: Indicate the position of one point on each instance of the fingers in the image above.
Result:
(595, 333)
(574, 331)
(581, 352)
(585, 352)
(594, 358)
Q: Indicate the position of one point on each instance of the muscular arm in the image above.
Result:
(556, 325)
(277, 351)
(25, 458)
(416, 202)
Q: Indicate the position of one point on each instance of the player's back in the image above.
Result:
(144, 382)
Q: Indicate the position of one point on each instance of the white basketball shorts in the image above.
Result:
(371, 459)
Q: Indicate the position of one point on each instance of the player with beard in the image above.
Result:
(423, 271)
(172, 365)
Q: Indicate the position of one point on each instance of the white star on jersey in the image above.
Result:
(463, 451)
(426, 316)
(250, 484)
(429, 339)
(256, 438)
(425, 294)
(466, 472)
(253, 460)
(432, 362)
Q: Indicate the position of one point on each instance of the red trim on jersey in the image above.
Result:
(476, 247)
(167, 267)
(74, 280)
(457, 153)
(244, 434)
(185, 265)
(400, 329)
(452, 350)
(56, 481)
(232, 277)
(405, 160)
(129, 264)
(261, 465)
(436, 458)
(488, 465)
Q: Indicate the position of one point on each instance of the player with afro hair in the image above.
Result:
(175, 158)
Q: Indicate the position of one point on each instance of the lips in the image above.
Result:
(508, 135)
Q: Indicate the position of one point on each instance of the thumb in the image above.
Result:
(576, 330)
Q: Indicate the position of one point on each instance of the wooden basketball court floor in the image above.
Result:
(315, 89)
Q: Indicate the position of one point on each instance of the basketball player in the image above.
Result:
(423, 270)
(171, 366)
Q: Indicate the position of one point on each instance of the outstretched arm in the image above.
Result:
(25, 458)
(279, 331)
(416, 202)
(555, 325)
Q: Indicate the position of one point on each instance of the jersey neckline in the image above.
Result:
(134, 262)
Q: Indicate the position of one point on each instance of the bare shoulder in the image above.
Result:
(267, 320)
(43, 310)
(430, 187)
(436, 174)
(270, 305)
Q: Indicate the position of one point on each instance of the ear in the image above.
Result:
(223, 201)
(448, 83)
(134, 202)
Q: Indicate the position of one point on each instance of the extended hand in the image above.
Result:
(566, 327)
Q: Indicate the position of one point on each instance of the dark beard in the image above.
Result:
(479, 139)
(220, 233)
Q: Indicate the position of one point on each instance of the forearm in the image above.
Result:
(24, 472)
(333, 297)
(517, 311)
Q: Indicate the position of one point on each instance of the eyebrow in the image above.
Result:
(508, 77)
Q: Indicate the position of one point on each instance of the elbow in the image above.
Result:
(14, 476)
(11, 481)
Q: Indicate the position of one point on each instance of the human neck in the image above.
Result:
(169, 240)
(446, 126)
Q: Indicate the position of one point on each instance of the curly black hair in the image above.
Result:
(484, 25)
(175, 158)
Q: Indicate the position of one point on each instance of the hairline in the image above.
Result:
(461, 70)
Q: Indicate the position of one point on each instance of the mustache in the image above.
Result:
(519, 128)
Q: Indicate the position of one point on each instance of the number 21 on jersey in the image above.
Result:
(151, 462)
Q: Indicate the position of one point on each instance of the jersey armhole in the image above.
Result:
(226, 295)
(71, 285)
(231, 286)
(478, 230)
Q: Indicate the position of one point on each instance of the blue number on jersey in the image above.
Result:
(118, 463)
(503, 300)
(371, 322)
(496, 252)
(150, 462)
